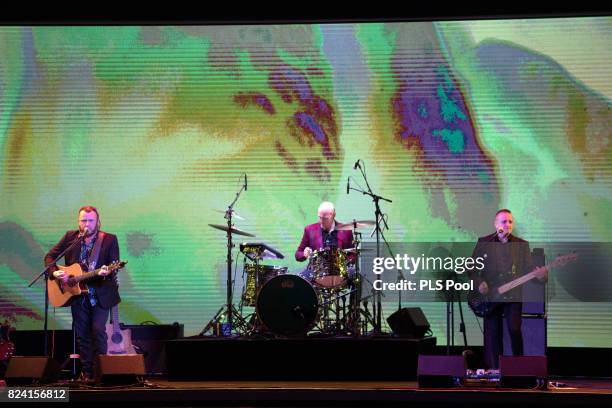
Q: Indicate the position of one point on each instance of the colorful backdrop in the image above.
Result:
(155, 126)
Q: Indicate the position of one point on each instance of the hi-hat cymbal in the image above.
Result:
(355, 225)
(233, 230)
(234, 213)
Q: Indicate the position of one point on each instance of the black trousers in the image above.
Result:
(494, 332)
(90, 329)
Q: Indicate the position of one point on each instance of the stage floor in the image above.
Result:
(161, 392)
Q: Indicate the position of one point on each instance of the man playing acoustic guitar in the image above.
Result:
(90, 310)
(506, 258)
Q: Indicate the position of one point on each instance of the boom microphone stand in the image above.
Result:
(45, 273)
(378, 216)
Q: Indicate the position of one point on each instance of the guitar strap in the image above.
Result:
(95, 253)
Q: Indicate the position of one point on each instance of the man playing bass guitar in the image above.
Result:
(506, 258)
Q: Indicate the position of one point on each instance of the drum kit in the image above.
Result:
(323, 300)
(292, 305)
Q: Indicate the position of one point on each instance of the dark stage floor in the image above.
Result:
(161, 392)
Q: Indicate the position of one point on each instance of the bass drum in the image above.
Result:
(287, 305)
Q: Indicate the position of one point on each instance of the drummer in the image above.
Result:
(324, 235)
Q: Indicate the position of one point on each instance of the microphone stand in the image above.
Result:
(377, 216)
(400, 275)
(450, 320)
(45, 273)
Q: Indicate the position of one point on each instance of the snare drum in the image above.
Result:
(328, 268)
(254, 282)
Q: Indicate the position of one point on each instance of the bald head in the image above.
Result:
(327, 214)
(327, 206)
(504, 223)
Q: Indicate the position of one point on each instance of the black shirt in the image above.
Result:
(329, 239)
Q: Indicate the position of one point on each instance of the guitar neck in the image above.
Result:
(527, 277)
(115, 317)
(516, 282)
(86, 275)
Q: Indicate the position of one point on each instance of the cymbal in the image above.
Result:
(234, 214)
(234, 230)
(349, 226)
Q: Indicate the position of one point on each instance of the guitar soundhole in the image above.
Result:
(117, 338)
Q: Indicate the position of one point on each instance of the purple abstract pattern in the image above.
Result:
(432, 119)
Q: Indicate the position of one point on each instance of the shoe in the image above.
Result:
(86, 379)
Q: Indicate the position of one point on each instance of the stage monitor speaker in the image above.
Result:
(441, 371)
(120, 368)
(150, 340)
(523, 371)
(31, 370)
(409, 322)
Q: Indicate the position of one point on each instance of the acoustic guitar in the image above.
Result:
(60, 293)
(119, 341)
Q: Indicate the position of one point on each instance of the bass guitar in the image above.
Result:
(483, 305)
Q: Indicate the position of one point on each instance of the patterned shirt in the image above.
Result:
(83, 259)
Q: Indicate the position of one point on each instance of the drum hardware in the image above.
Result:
(234, 214)
(368, 319)
(233, 319)
(334, 317)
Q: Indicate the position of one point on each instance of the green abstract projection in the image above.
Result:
(156, 125)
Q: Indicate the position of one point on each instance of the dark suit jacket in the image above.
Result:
(493, 273)
(105, 286)
(313, 238)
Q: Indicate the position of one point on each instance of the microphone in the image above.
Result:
(348, 185)
(356, 164)
(501, 231)
(245, 182)
(84, 232)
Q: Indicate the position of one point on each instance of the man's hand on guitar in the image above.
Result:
(103, 271)
(61, 275)
(541, 273)
(483, 288)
